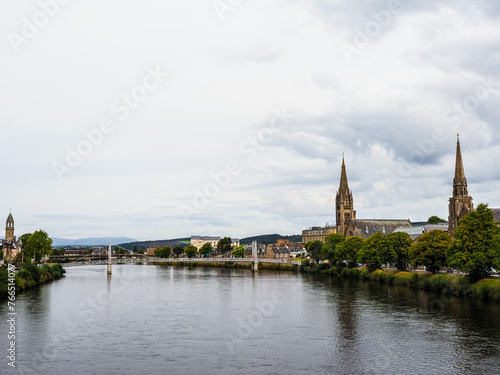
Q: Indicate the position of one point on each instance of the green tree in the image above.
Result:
(37, 246)
(435, 220)
(57, 252)
(178, 250)
(163, 252)
(140, 251)
(475, 246)
(314, 249)
(191, 251)
(369, 253)
(24, 238)
(348, 250)
(206, 249)
(394, 249)
(224, 245)
(239, 251)
(430, 250)
(328, 250)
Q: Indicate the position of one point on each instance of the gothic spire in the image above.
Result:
(344, 187)
(459, 182)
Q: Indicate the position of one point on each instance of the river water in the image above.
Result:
(172, 320)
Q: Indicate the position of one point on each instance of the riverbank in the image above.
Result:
(488, 289)
(29, 277)
(233, 264)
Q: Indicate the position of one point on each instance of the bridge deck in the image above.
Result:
(177, 260)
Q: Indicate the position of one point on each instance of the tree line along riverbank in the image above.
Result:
(488, 289)
(29, 276)
(450, 284)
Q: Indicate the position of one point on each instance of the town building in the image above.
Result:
(199, 241)
(10, 246)
(416, 231)
(317, 233)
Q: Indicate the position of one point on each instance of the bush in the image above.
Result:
(34, 271)
(486, 289)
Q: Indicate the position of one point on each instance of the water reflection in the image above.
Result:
(226, 321)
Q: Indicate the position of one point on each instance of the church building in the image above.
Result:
(460, 203)
(9, 245)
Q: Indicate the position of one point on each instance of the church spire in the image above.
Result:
(460, 203)
(459, 182)
(9, 228)
(344, 187)
(344, 206)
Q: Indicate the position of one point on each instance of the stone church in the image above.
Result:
(9, 245)
(461, 202)
(349, 225)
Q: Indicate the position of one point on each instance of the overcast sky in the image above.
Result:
(161, 119)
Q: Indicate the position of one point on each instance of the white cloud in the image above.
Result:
(226, 79)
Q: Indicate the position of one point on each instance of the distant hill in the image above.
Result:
(90, 241)
(143, 245)
(267, 239)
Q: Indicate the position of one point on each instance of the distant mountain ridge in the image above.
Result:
(90, 241)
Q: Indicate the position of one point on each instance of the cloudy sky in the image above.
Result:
(161, 119)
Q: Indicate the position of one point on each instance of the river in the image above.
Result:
(173, 320)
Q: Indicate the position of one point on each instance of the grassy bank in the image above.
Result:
(233, 264)
(30, 276)
(444, 283)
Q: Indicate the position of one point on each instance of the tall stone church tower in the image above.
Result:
(344, 207)
(9, 228)
(461, 203)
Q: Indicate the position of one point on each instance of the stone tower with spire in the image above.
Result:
(344, 207)
(9, 228)
(460, 203)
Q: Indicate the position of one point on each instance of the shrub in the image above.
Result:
(34, 271)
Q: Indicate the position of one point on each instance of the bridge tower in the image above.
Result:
(255, 257)
(109, 258)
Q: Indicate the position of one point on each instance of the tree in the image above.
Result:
(430, 250)
(37, 246)
(224, 245)
(163, 252)
(475, 246)
(328, 250)
(57, 252)
(191, 251)
(435, 220)
(369, 253)
(314, 249)
(206, 249)
(140, 251)
(239, 251)
(347, 251)
(135, 249)
(394, 249)
(24, 238)
(178, 250)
